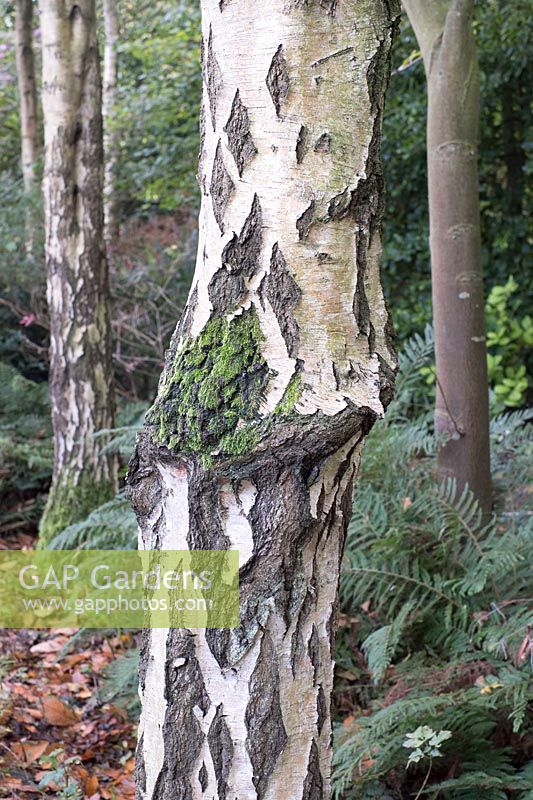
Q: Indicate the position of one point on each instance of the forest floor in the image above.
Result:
(58, 735)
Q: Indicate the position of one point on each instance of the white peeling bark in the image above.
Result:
(111, 133)
(287, 313)
(81, 381)
(29, 125)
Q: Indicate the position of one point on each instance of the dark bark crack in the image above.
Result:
(182, 735)
(304, 222)
(302, 144)
(297, 644)
(221, 749)
(241, 254)
(328, 5)
(283, 294)
(321, 709)
(314, 784)
(361, 307)
(221, 188)
(203, 778)
(206, 530)
(213, 79)
(201, 153)
(240, 260)
(185, 323)
(140, 768)
(313, 651)
(264, 722)
(240, 142)
(323, 143)
(278, 80)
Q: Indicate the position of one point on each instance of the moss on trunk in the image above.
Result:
(212, 389)
(68, 503)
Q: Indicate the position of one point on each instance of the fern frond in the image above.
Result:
(111, 526)
(382, 645)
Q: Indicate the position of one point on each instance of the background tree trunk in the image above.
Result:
(29, 125)
(279, 367)
(111, 27)
(81, 378)
(444, 32)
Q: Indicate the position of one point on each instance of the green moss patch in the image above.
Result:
(210, 395)
(291, 396)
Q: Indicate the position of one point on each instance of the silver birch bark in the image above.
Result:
(277, 370)
(446, 38)
(110, 82)
(29, 126)
(81, 382)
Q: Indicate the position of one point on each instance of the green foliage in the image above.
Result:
(504, 47)
(509, 336)
(9, 129)
(151, 272)
(121, 682)
(68, 503)
(437, 606)
(406, 272)
(58, 771)
(25, 447)
(425, 743)
(23, 315)
(111, 526)
(509, 342)
(159, 100)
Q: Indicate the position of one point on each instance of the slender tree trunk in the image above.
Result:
(445, 35)
(111, 148)
(78, 294)
(29, 126)
(277, 370)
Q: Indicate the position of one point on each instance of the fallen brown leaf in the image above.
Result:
(91, 785)
(58, 713)
(47, 646)
(30, 751)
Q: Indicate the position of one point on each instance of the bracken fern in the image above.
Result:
(436, 610)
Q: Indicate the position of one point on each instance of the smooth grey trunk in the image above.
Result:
(445, 35)
(277, 370)
(29, 125)
(111, 132)
(81, 377)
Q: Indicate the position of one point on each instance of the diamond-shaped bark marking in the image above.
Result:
(278, 80)
(222, 187)
(240, 142)
(213, 79)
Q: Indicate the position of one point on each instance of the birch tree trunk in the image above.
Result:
(445, 35)
(81, 381)
(280, 365)
(29, 126)
(110, 82)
